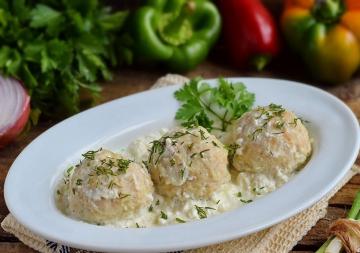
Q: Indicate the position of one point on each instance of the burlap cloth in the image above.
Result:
(280, 238)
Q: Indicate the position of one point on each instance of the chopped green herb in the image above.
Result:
(246, 201)
(58, 192)
(201, 212)
(239, 195)
(124, 196)
(214, 143)
(294, 123)
(137, 225)
(111, 184)
(202, 152)
(158, 146)
(146, 165)
(150, 208)
(123, 165)
(182, 173)
(232, 151)
(163, 215)
(217, 202)
(172, 162)
(279, 132)
(279, 124)
(202, 135)
(257, 191)
(79, 181)
(193, 155)
(90, 155)
(190, 146)
(180, 220)
(266, 114)
(157, 202)
(210, 208)
(101, 170)
(256, 132)
(69, 170)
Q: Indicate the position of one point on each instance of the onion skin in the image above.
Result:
(15, 129)
(348, 231)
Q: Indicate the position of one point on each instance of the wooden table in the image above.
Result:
(128, 81)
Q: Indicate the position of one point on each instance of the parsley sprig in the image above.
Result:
(58, 48)
(212, 107)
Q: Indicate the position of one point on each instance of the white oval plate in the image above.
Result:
(29, 186)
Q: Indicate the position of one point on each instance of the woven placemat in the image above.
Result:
(280, 238)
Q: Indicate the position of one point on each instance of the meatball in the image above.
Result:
(189, 162)
(268, 139)
(106, 186)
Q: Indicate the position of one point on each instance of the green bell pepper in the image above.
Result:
(177, 33)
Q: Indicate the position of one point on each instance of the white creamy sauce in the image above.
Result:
(244, 188)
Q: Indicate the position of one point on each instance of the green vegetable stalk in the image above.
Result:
(58, 48)
(177, 33)
(350, 227)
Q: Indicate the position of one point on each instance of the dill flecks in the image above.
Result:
(101, 170)
(257, 191)
(231, 151)
(267, 113)
(182, 173)
(146, 165)
(256, 132)
(190, 146)
(239, 195)
(202, 152)
(79, 182)
(180, 220)
(163, 215)
(209, 208)
(69, 170)
(111, 184)
(201, 212)
(124, 196)
(158, 146)
(123, 165)
(172, 162)
(294, 123)
(246, 201)
(90, 155)
(202, 135)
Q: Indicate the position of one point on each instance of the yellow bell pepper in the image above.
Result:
(326, 34)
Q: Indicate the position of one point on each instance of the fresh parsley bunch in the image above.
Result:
(212, 107)
(57, 48)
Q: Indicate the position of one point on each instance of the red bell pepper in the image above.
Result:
(250, 32)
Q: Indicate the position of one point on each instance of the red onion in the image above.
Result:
(14, 109)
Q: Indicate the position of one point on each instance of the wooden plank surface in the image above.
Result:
(129, 81)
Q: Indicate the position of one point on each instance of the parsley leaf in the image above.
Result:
(59, 49)
(212, 107)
